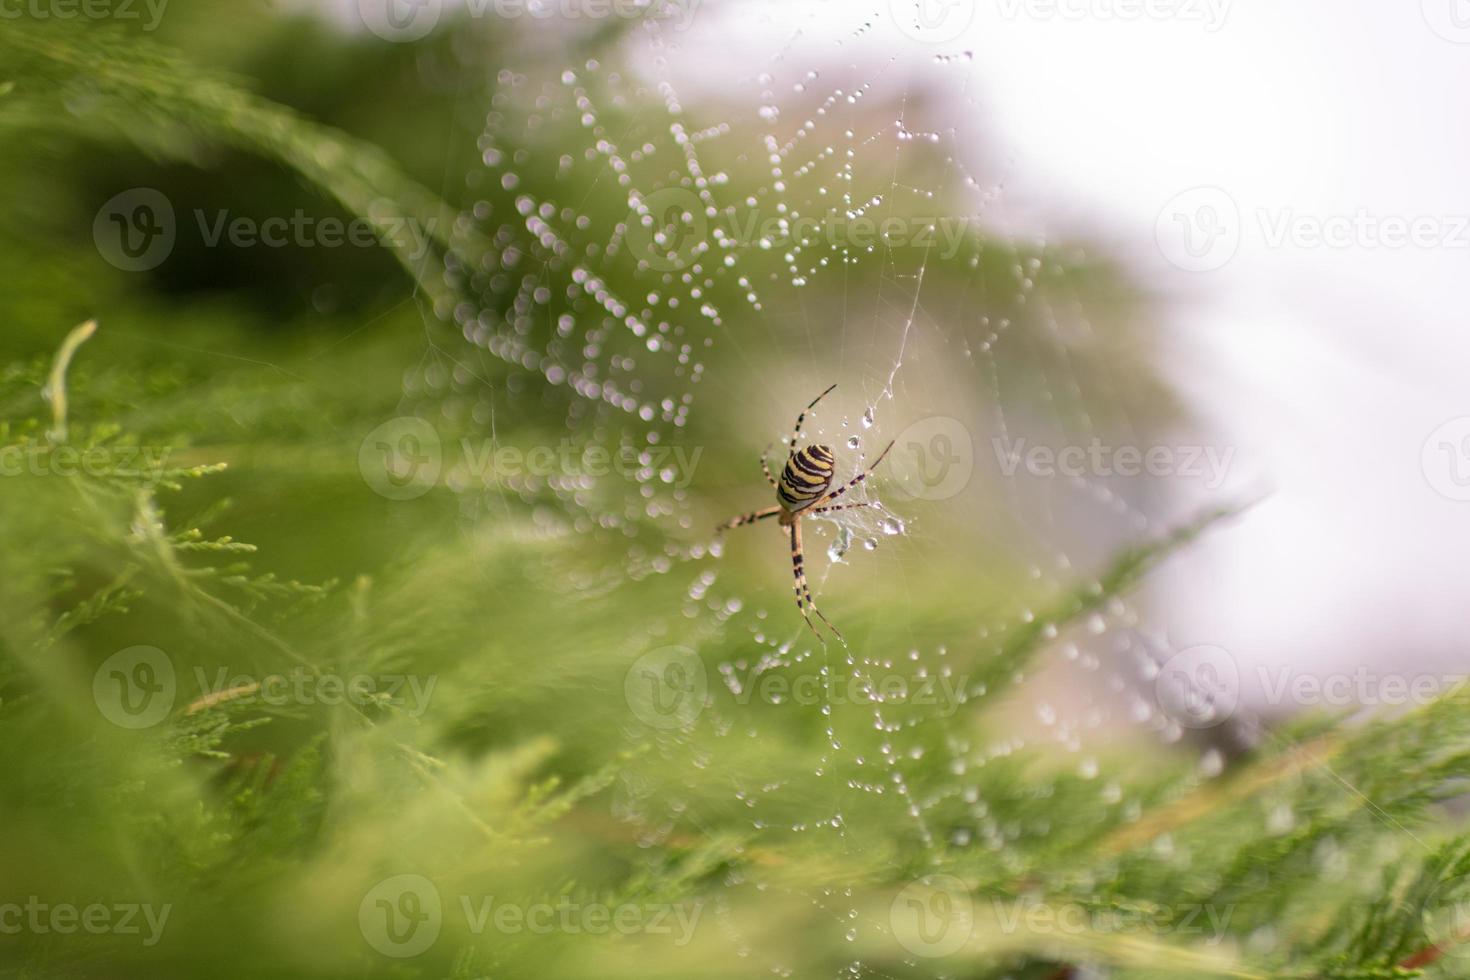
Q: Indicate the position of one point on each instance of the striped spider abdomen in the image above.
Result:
(806, 477)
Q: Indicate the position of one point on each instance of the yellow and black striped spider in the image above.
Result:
(802, 490)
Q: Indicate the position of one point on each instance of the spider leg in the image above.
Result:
(802, 591)
(828, 510)
(752, 517)
(855, 480)
(766, 467)
(798, 575)
(796, 434)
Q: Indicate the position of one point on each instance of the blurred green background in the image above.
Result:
(517, 765)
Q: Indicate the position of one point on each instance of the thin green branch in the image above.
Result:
(55, 390)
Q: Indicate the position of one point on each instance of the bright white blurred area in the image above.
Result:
(1325, 367)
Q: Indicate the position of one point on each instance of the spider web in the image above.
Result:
(724, 170)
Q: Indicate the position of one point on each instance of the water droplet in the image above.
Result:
(839, 545)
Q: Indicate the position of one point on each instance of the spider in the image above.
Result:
(802, 490)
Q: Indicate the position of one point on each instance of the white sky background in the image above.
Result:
(1326, 368)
